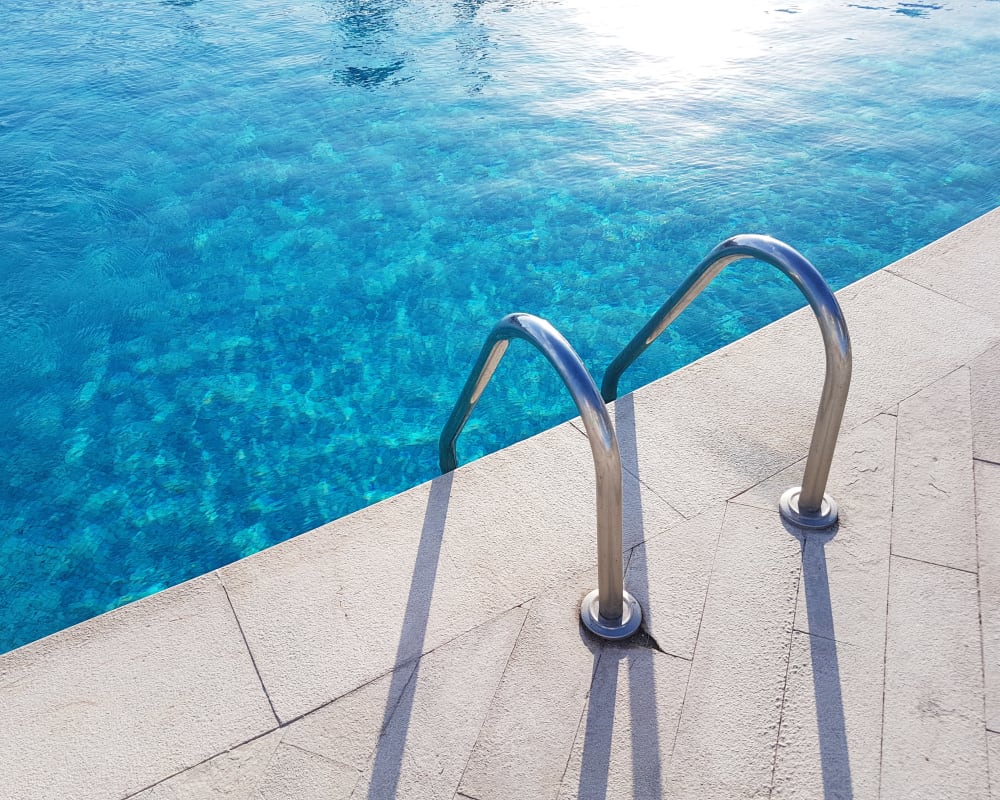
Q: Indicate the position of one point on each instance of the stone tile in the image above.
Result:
(831, 722)
(962, 265)
(294, 774)
(934, 736)
(529, 732)
(934, 514)
(233, 775)
(846, 570)
(327, 612)
(348, 729)
(903, 338)
(988, 530)
(986, 405)
(993, 743)
(729, 725)
(112, 706)
(628, 726)
(429, 733)
(669, 577)
(693, 455)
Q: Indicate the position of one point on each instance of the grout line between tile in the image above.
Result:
(839, 642)
(246, 644)
(788, 668)
(407, 663)
(489, 707)
(888, 585)
(302, 749)
(938, 292)
(625, 470)
(585, 708)
(697, 635)
(198, 764)
(979, 618)
(932, 563)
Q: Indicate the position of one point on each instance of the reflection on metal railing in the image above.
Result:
(807, 505)
(608, 611)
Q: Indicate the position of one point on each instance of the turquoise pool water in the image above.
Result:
(249, 250)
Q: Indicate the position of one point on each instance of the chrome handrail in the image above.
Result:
(807, 505)
(608, 611)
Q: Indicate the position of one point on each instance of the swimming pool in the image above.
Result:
(250, 250)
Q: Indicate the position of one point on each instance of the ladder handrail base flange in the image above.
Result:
(613, 630)
(825, 517)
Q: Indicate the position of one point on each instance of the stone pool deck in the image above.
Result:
(429, 646)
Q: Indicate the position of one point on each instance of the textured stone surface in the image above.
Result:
(669, 576)
(348, 729)
(986, 405)
(846, 568)
(993, 743)
(294, 774)
(831, 722)
(430, 731)
(934, 515)
(729, 725)
(628, 725)
(112, 706)
(233, 775)
(962, 265)
(832, 711)
(540, 700)
(988, 530)
(934, 736)
(420, 568)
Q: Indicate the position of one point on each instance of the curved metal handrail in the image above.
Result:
(609, 611)
(807, 505)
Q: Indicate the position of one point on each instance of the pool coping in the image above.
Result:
(428, 646)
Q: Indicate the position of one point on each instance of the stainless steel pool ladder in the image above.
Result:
(807, 505)
(608, 611)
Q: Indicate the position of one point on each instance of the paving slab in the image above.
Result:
(233, 775)
(540, 700)
(831, 722)
(628, 725)
(934, 515)
(153, 686)
(846, 569)
(986, 405)
(348, 729)
(727, 735)
(993, 743)
(962, 265)
(294, 774)
(934, 735)
(988, 531)
(669, 576)
(429, 733)
(449, 556)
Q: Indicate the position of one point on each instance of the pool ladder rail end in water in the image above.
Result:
(808, 505)
(609, 611)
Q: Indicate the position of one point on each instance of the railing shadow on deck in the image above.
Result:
(647, 767)
(396, 717)
(831, 724)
